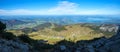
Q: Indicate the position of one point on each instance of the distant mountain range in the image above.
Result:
(11, 23)
(30, 21)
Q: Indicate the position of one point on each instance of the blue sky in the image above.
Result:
(59, 7)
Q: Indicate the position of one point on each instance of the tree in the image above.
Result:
(5, 35)
(2, 27)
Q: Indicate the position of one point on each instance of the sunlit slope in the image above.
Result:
(69, 32)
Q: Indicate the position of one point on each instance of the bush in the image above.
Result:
(59, 28)
(65, 42)
(2, 27)
(7, 35)
(25, 39)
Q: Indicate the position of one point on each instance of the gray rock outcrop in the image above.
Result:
(13, 46)
(109, 27)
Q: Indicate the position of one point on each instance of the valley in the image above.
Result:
(56, 28)
(51, 34)
(59, 25)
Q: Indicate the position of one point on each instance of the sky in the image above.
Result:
(59, 7)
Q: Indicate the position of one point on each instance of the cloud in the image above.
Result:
(12, 12)
(62, 8)
(22, 12)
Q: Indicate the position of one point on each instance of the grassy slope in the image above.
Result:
(70, 32)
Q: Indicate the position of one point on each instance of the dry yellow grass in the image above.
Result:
(16, 32)
(73, 33)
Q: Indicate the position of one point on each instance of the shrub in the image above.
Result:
(8, 35)
(5, 35)
(59, 28)
(2, 27)
(25, 38)
(65, 42)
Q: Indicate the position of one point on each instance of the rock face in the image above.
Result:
(109, 27)
(13, 46)
(113, 44)
(110, 45)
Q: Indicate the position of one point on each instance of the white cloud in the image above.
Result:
(62, 8)
(22, 12)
